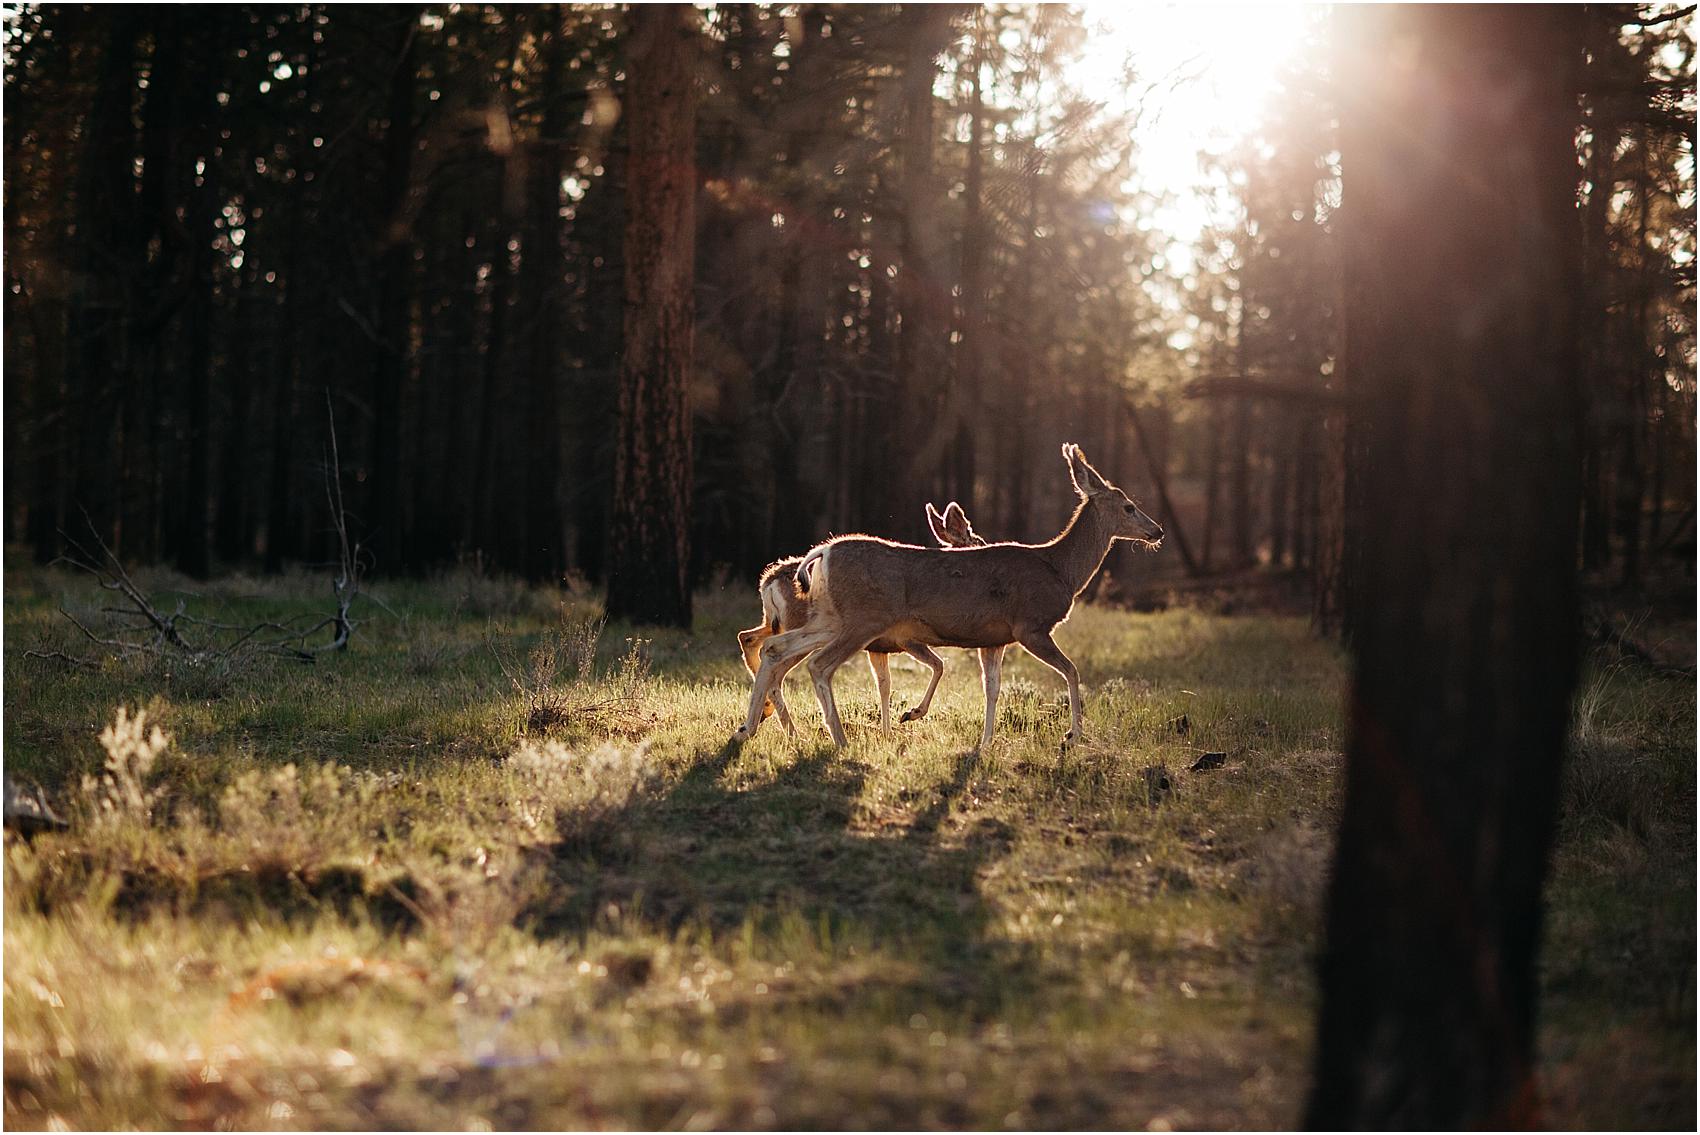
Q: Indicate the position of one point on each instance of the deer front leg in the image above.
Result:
(822, 666)
(778, 655)
(924, 654)
(1041, 646)
(991, 675)
(749, 644)
(880, 664)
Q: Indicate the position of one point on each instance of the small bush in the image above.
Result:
(614, 705)
(122, 792)
(580, 791)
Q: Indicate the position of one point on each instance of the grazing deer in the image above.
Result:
(785, 607)
(862, 588)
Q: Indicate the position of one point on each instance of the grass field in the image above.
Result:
(490, 868)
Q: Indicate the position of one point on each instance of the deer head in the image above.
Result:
(1116, 512)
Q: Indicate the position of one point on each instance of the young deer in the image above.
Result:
(785, 607)
(862, 588)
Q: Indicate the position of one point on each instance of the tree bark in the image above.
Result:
(1239, 452)
(649, 543)
(98, 320)
(232, 532)
(971, 351)
(1460, 260)
(924, 299)
(542, 271)
(194, 545)
(395, 266)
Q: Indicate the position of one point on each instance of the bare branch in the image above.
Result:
(1655, 21)
(281, 639)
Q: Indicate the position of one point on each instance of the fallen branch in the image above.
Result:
(285, 639)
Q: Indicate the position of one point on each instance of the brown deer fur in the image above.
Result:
(862, 588)
(786, 607)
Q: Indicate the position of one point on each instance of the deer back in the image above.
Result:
(985, 596)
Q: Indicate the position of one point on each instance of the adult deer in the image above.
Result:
(984, 598)
(786, 607)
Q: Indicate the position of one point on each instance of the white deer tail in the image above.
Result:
(772, 604)
(811, 573)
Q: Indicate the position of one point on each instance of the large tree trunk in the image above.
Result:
(1459, 245)
(484, 530)
(972, 351)
(924, 299)
(98, 321)
(1239, 452)
(793, 386)
(649, 544)
(194, 545)
(542, 271)
(231, 531)
(395, 269)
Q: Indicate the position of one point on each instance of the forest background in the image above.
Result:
(923, 260)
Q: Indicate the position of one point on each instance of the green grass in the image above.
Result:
(467, 874)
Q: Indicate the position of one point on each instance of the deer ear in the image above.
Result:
(1087, 479)
(954, 516)
(937, 523)
(1078, 471)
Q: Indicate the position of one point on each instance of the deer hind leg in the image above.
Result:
(777, 698)
(991, 675)
(822, 667)
(880, 664)
(925, 655)
(778, 655)
(1041, 646)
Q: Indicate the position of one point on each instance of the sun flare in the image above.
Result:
(1200, 80)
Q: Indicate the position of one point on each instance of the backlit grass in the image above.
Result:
(386, 891)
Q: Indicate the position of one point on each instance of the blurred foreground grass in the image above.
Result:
(492, 868)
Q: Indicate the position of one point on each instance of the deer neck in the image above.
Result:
(1078, 552)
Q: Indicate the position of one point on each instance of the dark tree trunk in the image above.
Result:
(282, 504)
(971, 351)
(98, 320)
(484, 530)
(1239, 459)
(1328, 554)
(395, 265)
(1459, 246)
(649, 539)
(231, 530)
(1212, 483)
(876, 450)
(602, 225)
(194, 546)
(923, 292)
(1280, 482)
(792, 386)
(542, 270)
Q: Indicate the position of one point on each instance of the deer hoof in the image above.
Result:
(1068, 740)
(909, 715)
(743, 734)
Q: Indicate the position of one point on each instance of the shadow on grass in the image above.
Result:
(797, 847)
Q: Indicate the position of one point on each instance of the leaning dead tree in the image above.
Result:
(143, 630)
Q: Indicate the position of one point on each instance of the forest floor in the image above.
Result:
(492, 868)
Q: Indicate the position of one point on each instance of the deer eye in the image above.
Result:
(1131, 510)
